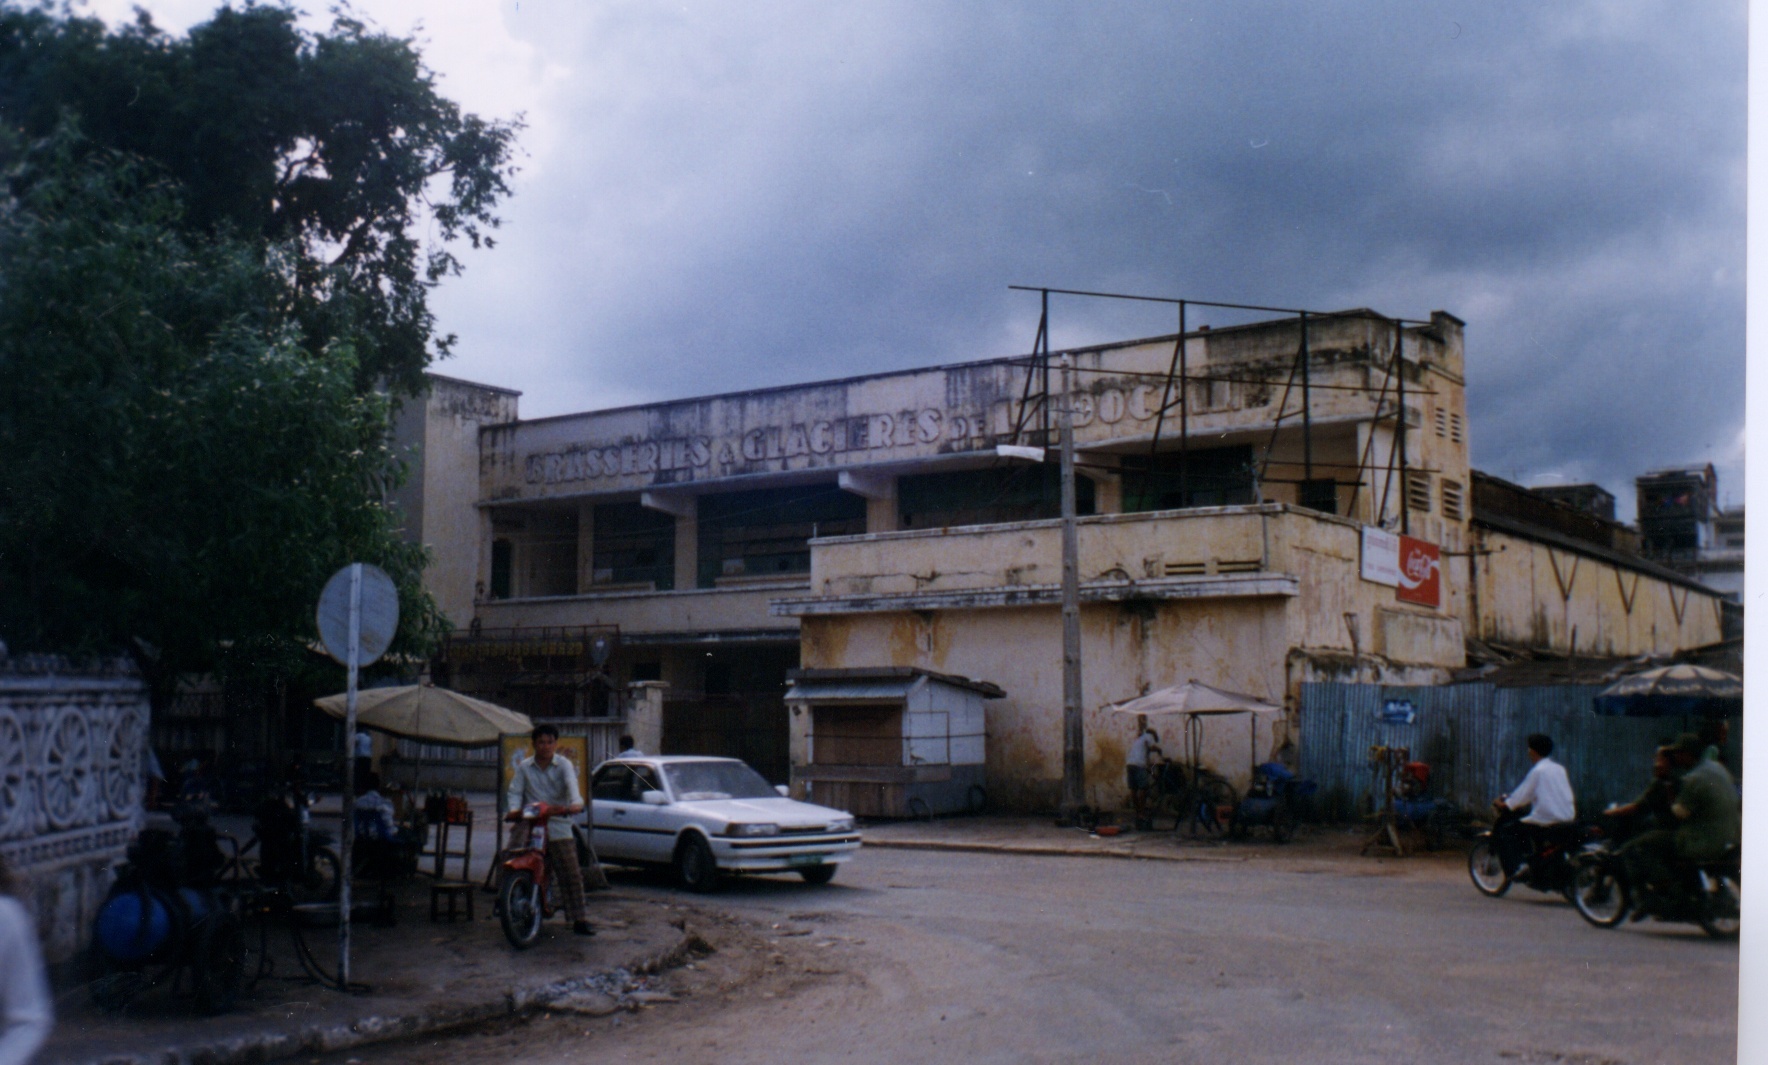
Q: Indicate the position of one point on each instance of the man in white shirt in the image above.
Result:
(549, 777)
(1142, 748)
(25, 1010)
(1547, 793)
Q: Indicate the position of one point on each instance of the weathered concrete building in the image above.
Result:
(1264, 505)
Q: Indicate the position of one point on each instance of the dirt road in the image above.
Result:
(981, 958)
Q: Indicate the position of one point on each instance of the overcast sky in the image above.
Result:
(719, 196)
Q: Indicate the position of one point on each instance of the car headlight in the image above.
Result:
(753, 830)
(841, 824)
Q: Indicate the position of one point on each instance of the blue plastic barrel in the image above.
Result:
(132, 925)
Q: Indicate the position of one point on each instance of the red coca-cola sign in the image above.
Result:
(1421, 573)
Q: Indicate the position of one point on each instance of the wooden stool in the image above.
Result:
(452, 891)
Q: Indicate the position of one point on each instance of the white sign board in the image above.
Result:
(1381, 556)
(380, 615)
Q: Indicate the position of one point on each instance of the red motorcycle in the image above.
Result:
(525, 896)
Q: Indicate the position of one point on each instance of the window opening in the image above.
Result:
(633, 545)
(1452, 499)
(1215, 477)
(1418, 491)
(986, 496)
(502, 555)
(767, 532)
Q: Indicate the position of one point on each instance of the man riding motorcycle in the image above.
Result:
(1652, 809)
(1552, 810)
(1708, 817)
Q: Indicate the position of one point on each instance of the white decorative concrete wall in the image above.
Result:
(71, 780)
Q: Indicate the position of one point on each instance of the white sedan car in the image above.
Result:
(705, 817)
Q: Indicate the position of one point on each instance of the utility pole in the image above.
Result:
(1073, 731)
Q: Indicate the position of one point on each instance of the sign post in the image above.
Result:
(358, 614)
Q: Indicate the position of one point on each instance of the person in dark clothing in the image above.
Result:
(1706, 816)
(1651, 810)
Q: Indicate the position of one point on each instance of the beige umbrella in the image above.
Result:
(1195, 697)
(1195, 700)
(431, 715)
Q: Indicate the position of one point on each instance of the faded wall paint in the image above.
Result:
(1538, 594)
(1021, 650)
(977, 602)
(922, 416)
(437, 435)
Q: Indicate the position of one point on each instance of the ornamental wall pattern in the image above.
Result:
(71, 782)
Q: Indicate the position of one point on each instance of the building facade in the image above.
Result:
(1262, 505)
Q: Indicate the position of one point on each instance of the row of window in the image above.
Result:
(1419, 495)
(766, 532)
(1449, 427)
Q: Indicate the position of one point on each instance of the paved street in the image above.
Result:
(915, 955)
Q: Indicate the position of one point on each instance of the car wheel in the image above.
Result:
(1485, 870)
(818, 874)
(695, 867)
(976, 799)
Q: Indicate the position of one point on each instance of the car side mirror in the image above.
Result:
(785, 792)
(654, 798)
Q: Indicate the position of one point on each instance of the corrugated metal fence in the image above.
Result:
(1473, 736)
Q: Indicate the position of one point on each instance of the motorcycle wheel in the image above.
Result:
(519, 908)
(1486, 871)
(1721, 906)
(1600, 896)
(319, 883)
(1282, 824)
(219, 964)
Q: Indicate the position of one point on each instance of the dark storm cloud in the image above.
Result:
(741, 196)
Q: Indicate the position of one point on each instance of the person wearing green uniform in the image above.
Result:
(1708, 814)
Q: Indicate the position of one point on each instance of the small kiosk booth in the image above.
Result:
(891, 741)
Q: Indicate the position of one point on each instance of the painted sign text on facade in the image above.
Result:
(835, 441)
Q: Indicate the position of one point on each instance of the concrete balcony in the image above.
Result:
(641, 612)
(1215, 553)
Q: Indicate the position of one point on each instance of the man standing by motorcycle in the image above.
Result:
(549, 777)
(1708, 818)
(1548, 794)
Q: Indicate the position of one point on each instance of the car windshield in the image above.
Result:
(716, 780)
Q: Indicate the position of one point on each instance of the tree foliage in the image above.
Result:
(183, 469)
(327, 153)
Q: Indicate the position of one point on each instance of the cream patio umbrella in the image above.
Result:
(430, 714)
(1197, 700)
(1195, 697)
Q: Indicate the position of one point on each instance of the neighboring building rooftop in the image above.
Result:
(1589, 498)
(1543, 509)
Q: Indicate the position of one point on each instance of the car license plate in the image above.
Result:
(806, 859)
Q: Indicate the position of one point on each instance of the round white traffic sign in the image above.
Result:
(379, 606)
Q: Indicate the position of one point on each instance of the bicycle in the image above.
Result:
(1202, 800)
(285, 851)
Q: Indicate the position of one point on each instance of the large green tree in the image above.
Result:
(333, 148)
(183, 470)
(212, 293)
